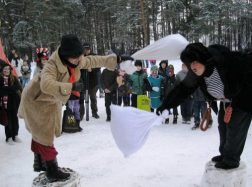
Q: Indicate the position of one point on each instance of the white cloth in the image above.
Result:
(155, 88)
(167, 48)
(130, 127)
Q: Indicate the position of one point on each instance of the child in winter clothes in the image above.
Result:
(123, 91)
(138, 83)
(171, 80)
(109, 85)
(26, 73)
(156, 84)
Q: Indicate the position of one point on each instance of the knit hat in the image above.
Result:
(138, 63)
(171, 66)
(154, 68)
(70, 46)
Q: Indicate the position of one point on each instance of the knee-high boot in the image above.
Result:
(39, 164)
(54, 173)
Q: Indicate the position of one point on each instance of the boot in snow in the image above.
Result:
(53, 172)
(39, 164)
(196, 125)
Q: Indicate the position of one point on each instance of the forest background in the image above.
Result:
(124, 26)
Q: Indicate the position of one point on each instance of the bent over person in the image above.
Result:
(213, 69)
(42, 100)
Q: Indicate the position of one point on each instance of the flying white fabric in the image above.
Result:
(128, 66)
(130, 127)
(167, 48)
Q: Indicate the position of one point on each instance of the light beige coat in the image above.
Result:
(42, 100)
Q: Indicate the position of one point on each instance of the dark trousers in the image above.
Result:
(233, 135)
(109, 98)
(186, 109)
(124, 99)
(134, 100)
(93, 99)
(199, 108)
(11, 130)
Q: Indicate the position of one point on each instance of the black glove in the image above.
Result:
(77, 86)
(124, 58)
(160, 110)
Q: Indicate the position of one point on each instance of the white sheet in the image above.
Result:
(130, 127)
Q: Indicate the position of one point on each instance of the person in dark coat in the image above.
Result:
(199, 107)
(109, 85)
(92, 75)
(213, 69)
(10, 93)
(170, 85)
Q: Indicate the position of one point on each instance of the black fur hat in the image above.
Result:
(70, 46)
(195, 52)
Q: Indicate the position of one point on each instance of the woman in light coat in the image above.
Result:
(42, 100)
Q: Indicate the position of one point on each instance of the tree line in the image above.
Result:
(124, 25)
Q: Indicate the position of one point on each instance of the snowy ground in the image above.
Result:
(173, 156)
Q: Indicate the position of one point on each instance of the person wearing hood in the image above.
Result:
(42, 101)
(213, 69)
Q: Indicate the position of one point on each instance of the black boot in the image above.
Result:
(218, 158)
(196, 125)
(226, 165)
(167, 121)
(79, 127)
(39, 164)
(53, 172)
(175, 117)
(95, 115)
(108, 118)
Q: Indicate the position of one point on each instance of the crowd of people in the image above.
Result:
(72, 74)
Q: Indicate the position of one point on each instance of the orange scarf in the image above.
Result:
(72, 79)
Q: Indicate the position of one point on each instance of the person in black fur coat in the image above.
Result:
(222, 75)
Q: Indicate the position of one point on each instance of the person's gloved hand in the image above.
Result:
(124, 58)
(77, 86)
(155, 88)
(160, 110)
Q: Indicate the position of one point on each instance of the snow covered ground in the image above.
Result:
(173, 156)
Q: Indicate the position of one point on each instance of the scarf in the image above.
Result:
(72, 79)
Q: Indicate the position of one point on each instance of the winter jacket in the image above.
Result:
(235, 71)
(13, 92)
(137, 82)
(108, 80)
(41, 102)
(155, 96)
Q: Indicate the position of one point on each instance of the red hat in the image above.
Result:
(42, 53)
